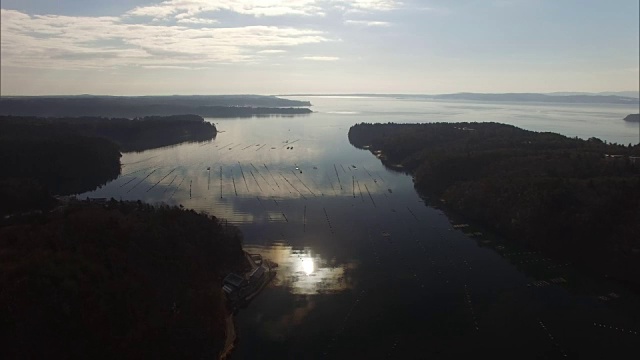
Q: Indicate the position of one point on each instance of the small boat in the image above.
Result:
(208, 167)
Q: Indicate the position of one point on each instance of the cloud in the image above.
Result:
(197, 21)
(180, 9)
(379, 5)
(184, 8)
(271, 51)
(67, 42)
(170, 33)
(320, 58)
(368, 23)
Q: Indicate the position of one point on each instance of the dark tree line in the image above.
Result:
(134, 106)
(244, 111)
(120, 280)
(131, 135)
(74, 155)
(575, 199)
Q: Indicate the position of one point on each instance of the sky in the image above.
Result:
(156, 47)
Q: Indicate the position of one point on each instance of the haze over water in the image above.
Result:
(367, 270)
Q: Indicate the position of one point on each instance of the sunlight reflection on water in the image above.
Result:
(304, 272)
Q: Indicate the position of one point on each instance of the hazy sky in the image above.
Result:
(137, 47)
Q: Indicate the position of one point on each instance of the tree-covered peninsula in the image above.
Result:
(573, 199)
(73, 155)
(136, 106)
(115, 280)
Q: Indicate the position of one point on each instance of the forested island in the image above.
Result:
(115, 280)
(62, 156)
(632, 118)
(137, 106)
(573, 199)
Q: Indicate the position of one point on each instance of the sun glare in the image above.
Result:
(307, 265)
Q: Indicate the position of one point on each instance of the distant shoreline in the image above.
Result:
(139, 106)
(554, 98)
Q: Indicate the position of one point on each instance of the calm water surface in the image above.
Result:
(367, 270)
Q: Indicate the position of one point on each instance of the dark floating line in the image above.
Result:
(371, 197)
(552, 339)
(294, 188)
(245, 179)
(289, 144)
(139, 161)
(412, 213)
(372, 178)
(169, 185)
(274, 179)
(316, 186)
(135, 171)
(159, 181)
(256, 180)
(260, 174)
(261, 147)
(303, 184)
(343, 325)
(176, 189)
(338, 176)
(133, 178)
(245, 148)
(328, 221)
(234, 183)
(143, 179)
(331, 182)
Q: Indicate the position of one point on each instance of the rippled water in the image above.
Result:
(366, 269)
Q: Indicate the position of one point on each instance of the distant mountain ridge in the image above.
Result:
(533, 97)
(575, 98)
(631, 94)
